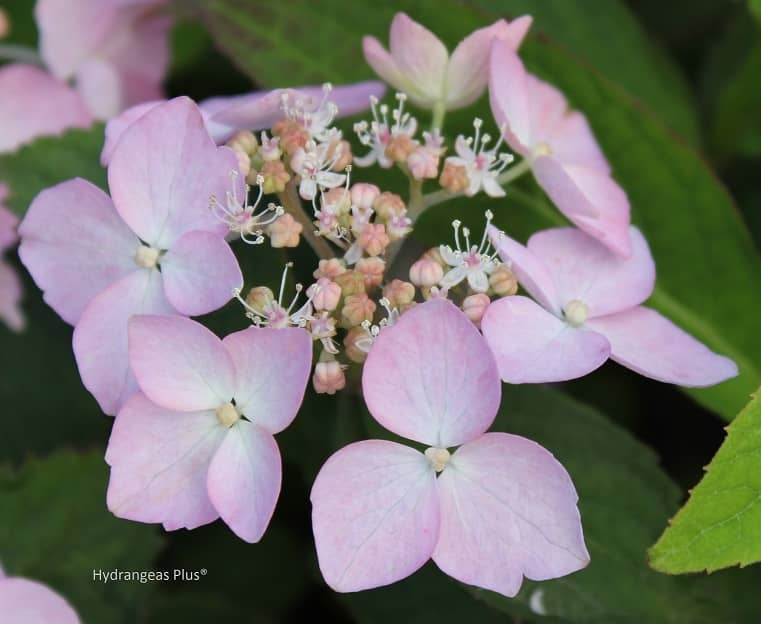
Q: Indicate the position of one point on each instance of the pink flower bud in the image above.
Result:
(284, 232)
(244, 141)
(331, 269)
(373, 239)
(454, 178)
(357, 309)
(474, 306)
(337, 200)
(341, 149)
(503, 281)
(351, 282)
(292, 135)
(399, 293)
(388, 205)
(372, 269)
(260, 297)
(355, 337)
(275, 177)
(328, 377)
(426, 272)
(325, 294)
(363, 195)
(244, 161)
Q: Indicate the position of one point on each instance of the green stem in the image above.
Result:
(439, 197)
(439, 112)
(292, 204)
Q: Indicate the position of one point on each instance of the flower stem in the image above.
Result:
(439, 197)
(439, 112)
(292, 204)
(22, 54)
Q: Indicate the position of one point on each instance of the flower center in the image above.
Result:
(227, 414)
(576, 312)
(439, 457)
(147, 257)
(543, 149)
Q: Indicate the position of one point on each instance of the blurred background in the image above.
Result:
(673, 91)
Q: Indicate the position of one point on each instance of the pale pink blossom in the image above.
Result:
(197, 442)
(419, 65)
(10, 283)
(24, 601)
(496, 509)
(325, 294)
(561, 149)
(117, 52)
(482, 164)
(97, 258)
(588, 309)
(328, 377)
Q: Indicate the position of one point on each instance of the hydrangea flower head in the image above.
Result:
(153, 247)
(563, 153)
(496, 509)
(418, 63)
(588, 309)
(197, 443)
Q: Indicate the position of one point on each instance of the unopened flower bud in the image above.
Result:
(399, 148)
(270, 148)
(341, 150)
(399, 293)
(454, 178)
(423, 163)
(372, 269)
(474, 306)
(328, 377)
(358, 308)
(292, 135)
(364, 195)
(355, 337)
(503, 281)
(244, 161)
(244, 141)
(260, 297)
(434, 292)
(434, 253)
(388, 205)
(325, 294)
(351, 282)
(373, 239)
(284, 232)
(275, 177)
(425, 272)
(338, 200)
(330, 268)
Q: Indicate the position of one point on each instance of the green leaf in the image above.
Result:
(55, 528)
(624, 498)
(755, 8)
(50, 160)
(720, 525)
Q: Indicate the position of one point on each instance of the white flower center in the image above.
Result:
(147, 257)
(576, 312)
(227, 414)
(543, 149)
(439, 457)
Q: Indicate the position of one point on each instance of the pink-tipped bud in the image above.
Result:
(424, 163)
(351, 282)
(434, 253)
(425, 272)
(364, 195)
(399, 148)
(372, 269)
(328, 377)
(341, 150)
(373, 239)
(244, 141)
(260, 297)
(474, 307)
(284, 232)
(454, 178)
(355, 337)
(275, 177)
(331, 269)
(399, 293)
(244, 161)
(388, 205)
(292, 135)
(338, 200)
(325, 294)
(357, 309)
(503, 281)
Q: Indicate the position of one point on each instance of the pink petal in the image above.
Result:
(244, 480)
(100, 337)
(116, 127)
(159, 460)
(585, 270)
(590, 199)
(8, 222)
(547, 109)
(385, 66)
(163, 172)
(468, 70)
(35, 104)
(651, 345)
(508, 96)
(99, 84)
(531, 345)
(179, 364)
(420, 57)
(531, 272)
(375, 514)
(271, 373)
(200, 272)
(28, 602)
(573, 143)
(10, 298)
(431, 378)
(75, 245)
(508, 510)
